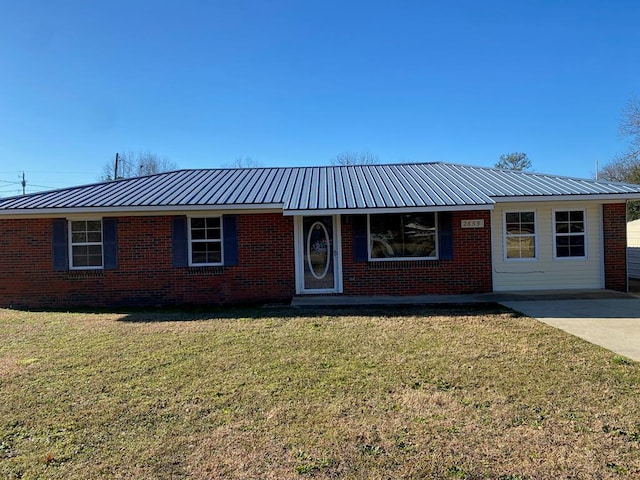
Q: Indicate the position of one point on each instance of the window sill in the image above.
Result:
(404, 264)
(208, 270)
(91, 273)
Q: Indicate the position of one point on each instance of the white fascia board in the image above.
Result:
(362, 211)
(138, 211)
(608, 197)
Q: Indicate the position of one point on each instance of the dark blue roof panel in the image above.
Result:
(300, 189)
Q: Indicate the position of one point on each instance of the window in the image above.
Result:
(205, 241)
(520, 235)
(569, 234)
(402, 236)
(86, 244)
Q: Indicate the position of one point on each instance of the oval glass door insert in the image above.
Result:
(318, 255)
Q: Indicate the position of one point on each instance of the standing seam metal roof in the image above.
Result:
(428, 185)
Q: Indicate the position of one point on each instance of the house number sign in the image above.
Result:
(476, 223)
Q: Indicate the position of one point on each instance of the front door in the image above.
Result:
(318, 266)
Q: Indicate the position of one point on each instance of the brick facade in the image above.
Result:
(469, 271)
(145, 275)
(614, 226)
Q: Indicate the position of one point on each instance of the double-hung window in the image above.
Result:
(569, 234)
(205, 241)
(85, 247)
(403, 236)
(520, 235)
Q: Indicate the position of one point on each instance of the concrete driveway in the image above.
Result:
(611, 323)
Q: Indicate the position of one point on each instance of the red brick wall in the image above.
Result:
(469, 271)
(265, 272)
(145, 274)
(614, 219)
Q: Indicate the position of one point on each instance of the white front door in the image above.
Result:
(318, 259)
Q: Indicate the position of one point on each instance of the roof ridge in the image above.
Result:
(534, 173)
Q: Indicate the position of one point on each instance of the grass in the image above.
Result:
(268, 393)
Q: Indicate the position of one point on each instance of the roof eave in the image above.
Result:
(616, 197)
(363, 211)
(137, 210)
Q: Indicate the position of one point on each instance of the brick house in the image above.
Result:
(267, 234)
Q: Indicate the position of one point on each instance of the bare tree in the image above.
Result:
(242, 162)
(626, 166)
(355, 158)
(130, 164)
(630, 128)
(621, 169)
(514, 161)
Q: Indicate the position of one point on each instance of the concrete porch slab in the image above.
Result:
(493, 297)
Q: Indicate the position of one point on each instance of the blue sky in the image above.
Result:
(298, 82)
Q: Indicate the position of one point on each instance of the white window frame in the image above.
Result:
(535, 236)
(192, 241)
(584, 233)
(402, 259)
(80, 244)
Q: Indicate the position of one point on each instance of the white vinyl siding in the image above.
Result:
(633, 248)
(633, 233)
(548, 272)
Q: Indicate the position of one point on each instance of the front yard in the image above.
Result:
(268, 393)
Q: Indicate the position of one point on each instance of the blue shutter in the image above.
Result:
(360, 239)
(110, 243)
(445, 235)
(230, 240)
(60, 246)
(180, 242)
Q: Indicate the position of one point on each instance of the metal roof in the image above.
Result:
(318, 189)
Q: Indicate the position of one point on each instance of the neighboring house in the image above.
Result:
(267, 234)
(633, 248)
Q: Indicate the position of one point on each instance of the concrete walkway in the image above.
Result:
(612, 323)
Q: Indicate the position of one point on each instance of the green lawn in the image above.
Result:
(279, 393)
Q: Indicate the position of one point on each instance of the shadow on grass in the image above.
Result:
(283, 312)
(194, 314)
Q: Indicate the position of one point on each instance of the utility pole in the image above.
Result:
(23, 183)
(115, 170)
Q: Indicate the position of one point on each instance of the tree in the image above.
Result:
(242, 162)
(626, 166)
(630, 128)
(132, 164)
(514, 161)
(621, 169)
(354, 158)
